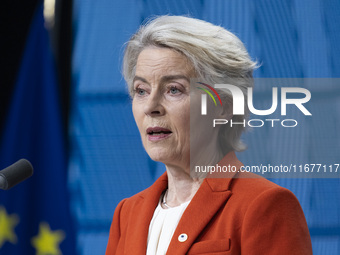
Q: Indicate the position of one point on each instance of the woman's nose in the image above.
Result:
(153, 106)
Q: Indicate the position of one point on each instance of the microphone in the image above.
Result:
(12, 175)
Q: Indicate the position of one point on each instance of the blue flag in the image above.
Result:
(35, 215)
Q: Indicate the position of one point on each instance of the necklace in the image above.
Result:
(164, 200)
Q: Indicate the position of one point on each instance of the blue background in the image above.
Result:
(289, 38)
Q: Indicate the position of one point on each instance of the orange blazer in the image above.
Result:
(250, 216)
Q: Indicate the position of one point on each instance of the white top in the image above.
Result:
(162, 228)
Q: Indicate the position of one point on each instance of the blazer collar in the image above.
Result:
(221, 181)
(213, 193)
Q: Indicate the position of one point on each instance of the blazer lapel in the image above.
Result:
(213, 193)
(138, 228)
(196, 217)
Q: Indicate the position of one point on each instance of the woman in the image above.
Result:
(182, 213)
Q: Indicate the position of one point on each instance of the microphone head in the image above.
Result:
(12, 175)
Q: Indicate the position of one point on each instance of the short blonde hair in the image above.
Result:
(216, 54)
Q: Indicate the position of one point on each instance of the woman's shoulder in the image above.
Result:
(252, 186)
(153, 192)
(255, 193)
(128, 203)
(253, 182)
(249, 189)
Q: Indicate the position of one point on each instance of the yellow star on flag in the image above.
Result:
(7, 225)
(47, 241)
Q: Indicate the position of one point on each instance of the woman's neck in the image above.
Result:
(181, 186)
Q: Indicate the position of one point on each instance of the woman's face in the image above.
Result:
(161, 105)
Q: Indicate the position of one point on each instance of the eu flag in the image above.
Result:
(35, 215)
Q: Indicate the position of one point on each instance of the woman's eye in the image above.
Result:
(174, 90)
(140, 92)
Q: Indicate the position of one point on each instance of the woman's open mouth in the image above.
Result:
(158, 133)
